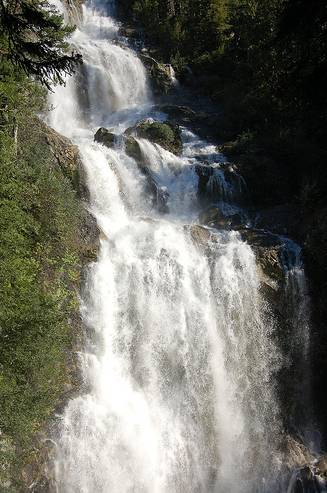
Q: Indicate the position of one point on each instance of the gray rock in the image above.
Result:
(105, 137)
(214, 217)
(160, 74)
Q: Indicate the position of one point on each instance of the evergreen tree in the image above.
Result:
(33, 38)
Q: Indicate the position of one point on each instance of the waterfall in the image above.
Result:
(180, 359)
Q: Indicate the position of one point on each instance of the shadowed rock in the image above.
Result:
(105, 137)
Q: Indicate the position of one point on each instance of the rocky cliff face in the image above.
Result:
(301, 217)
(62, 159)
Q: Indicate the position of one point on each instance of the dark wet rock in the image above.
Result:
(307, 473)
(182, 115)
(268, 249)
(296, 454)
(321, 466)
(165, 134)
(160, 74)
(221, 182)
(215, 218)
(263, 177)
(305, 482)
(281, 219)
(129, 32)
(204, 173)
(133, 149)
(105, 137)
(203, 123)
(159, 195)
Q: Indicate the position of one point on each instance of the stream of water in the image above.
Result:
(180, 361)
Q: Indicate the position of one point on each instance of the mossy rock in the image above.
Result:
(133, 149)
(165, 134)
(105, 137)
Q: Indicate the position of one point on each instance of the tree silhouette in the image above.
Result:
(33, 37)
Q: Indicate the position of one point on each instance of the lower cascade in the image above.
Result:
(182, 358)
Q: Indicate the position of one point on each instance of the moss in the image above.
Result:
(165, 134)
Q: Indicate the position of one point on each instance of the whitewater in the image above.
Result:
(180, 362)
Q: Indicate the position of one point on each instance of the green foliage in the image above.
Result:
(39, 228)
(264, 61)
(39, 272)
(33, 37)
(183, 29)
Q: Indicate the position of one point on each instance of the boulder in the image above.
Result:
(204, 238)
(204, 123)
(200, 235)
(160, 74)
(105, 137)
(129, 32)
(296, 454)
(133, 149)
(308, 474)
(165, 134)
(268, 249)
(178, 114)
(89, 236)
(214, 217)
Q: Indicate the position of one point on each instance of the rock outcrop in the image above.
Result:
(308, 472)
(133, 150)
(159, 195)
(160, 74)
(105, 137)
(203, 123)
(165, 134)
(65, 154)
(62, 158)
(214, 218)
(221, 182)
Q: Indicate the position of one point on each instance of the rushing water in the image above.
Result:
(180, 360)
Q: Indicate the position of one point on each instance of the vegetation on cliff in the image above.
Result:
(40, 218)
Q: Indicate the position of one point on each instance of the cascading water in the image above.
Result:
(180, 359)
